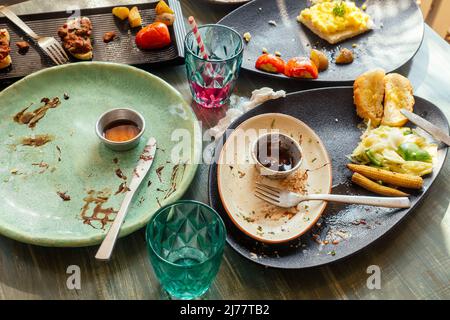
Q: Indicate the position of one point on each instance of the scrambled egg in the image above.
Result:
(335, 16)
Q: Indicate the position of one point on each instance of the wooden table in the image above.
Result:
(414, 258)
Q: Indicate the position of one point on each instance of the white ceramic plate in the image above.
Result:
(237, 176)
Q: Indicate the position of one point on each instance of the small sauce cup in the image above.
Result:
(121, 118)
(277, 155)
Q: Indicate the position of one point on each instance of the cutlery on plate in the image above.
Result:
(286, 199)
(436, 132)
(49, 45)
(143, 166)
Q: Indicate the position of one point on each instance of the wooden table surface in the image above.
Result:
(414, 258)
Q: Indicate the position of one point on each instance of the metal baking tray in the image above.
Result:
(121, 50)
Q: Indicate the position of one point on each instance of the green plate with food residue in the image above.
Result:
(59, 185)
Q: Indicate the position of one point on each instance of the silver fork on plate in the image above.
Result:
(49, 45)
(286, 199)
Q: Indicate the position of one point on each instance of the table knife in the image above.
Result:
(143, 167)
(436, 132)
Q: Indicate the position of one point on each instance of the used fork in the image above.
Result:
(49, 45)
(286, 199)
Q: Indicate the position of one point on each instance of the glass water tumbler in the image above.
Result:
(185, 242)
(212, 80)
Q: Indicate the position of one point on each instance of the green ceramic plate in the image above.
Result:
(76, 163)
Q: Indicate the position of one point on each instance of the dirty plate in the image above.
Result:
(66, 191)
(347, 228)
(237, 176)
(397, 36)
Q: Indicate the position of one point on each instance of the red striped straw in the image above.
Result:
(198, 37)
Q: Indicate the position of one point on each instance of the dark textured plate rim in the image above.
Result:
(389, 230)
(319, 80)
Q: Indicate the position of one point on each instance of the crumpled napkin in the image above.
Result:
(241, 106)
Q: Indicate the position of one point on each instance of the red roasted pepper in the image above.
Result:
(301, 67)
(153, 36)
(270, 63)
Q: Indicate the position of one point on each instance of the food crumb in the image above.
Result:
(63, 195)
(23, 47)
(247, 37)
(109, 36)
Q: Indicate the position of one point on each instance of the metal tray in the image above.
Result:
(121, 50)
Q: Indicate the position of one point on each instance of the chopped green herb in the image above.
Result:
(272, 124)
(313, 160)
(339, 9)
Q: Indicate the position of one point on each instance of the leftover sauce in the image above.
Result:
(121, 131)
(275, 157)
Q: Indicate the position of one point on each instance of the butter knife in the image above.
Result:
(436, 132)
(144, 164)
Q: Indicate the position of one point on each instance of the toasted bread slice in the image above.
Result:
(4, 36)
(75, 32)
(368, 94)
(398, 95)
(335, 37)
(83, 56)
(5, 63)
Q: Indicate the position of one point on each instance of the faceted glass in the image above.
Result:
(185, 242)
(213, 80)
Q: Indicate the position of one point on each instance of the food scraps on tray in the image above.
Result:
(154, 36)
(76, 34)
(389, 155)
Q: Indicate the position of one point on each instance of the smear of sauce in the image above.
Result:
(31, 118)
(120, 174)
(42, 165)
(63, 195)
(59, 153)
(38, 141)
(159, 172)
(99, 216)
(146, 153)
(174, 178)
(123, 188)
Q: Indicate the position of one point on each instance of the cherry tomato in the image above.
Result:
(153, 36)
(270, 63)
(301, 67)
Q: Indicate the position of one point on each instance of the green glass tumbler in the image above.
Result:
(185, 241)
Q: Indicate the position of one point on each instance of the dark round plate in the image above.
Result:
(337, 126)
(394, 41)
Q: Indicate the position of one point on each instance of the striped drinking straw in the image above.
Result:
(198, 37)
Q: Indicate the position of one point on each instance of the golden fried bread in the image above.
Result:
(398, 95)
(368, 95)
(5, 58)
